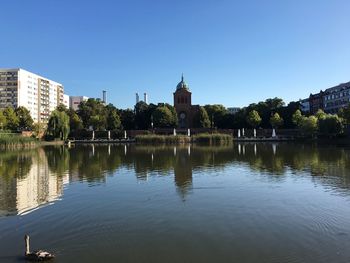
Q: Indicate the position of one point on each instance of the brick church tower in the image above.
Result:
(183, 105)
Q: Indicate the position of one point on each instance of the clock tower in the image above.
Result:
(183, 104)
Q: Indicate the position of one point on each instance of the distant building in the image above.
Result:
(39, 95)
(336, 98)
(183, 105)
(145, 98)
(74, 101)
(305, 105)
(233, 110)
(316, 102)
(104, 97)
(66, 100)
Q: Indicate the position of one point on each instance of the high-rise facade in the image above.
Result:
(336, 98)
(39, 95)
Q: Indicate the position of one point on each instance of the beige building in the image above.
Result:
(37, 187)
(38, 94)
(74, 101)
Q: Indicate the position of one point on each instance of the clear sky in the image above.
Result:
(231, 52)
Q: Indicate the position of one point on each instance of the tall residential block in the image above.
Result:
(38, 94)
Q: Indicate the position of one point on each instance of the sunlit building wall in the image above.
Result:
(38, 94)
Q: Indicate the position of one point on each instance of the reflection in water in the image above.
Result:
(29, 184)
(31, 179)
(267, 203)
(255, 150)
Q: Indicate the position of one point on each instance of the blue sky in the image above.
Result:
(231, 52)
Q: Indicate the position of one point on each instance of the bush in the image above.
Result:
(308, 125)
(330, 125)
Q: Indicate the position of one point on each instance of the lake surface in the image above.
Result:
(238, 203)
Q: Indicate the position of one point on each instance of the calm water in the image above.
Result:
(239, 203)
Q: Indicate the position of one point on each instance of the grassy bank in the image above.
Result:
(16, 142)
(206, 138)
(215, 138)
(162, 139)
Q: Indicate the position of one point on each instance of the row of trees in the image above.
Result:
(254, 119)
(94, 114)
(322, 124)
(162, 115)
(18, 119)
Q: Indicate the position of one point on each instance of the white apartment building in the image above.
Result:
(74, 101)
(39, 95)
(66, 100)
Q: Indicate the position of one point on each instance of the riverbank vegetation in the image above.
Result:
(14, 141)
(161, 139)
(95, 115)
(215, 138)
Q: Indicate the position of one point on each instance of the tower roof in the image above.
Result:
(182, 84)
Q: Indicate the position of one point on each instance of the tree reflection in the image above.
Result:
(93, 163)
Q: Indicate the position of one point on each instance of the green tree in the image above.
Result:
(127, 119)
(297, 117)
(142, 115)
(308, 125)
(58, 125)
(330, 125)
(287, 112)
(276, 121)
(163, 117)
(216, 113)
(174, 119)
(201, 119)
(12, 120)
(75, 123)
(253, 119)
(113, 119)
(345, 114)
(3, 121)
(274, 103)
(38, 129)
(320, 114)
(62, 107)
(93, 113)
(25, 121)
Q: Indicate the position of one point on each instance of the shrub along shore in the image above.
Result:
(215, 138)
(17, 142)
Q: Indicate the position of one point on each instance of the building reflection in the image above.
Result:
(183, 172)
(21, 192)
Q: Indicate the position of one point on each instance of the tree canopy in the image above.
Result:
(253, 119)
(25, 121)
(201, 119)
(163, 117)
(276, 121)
(58, 125)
